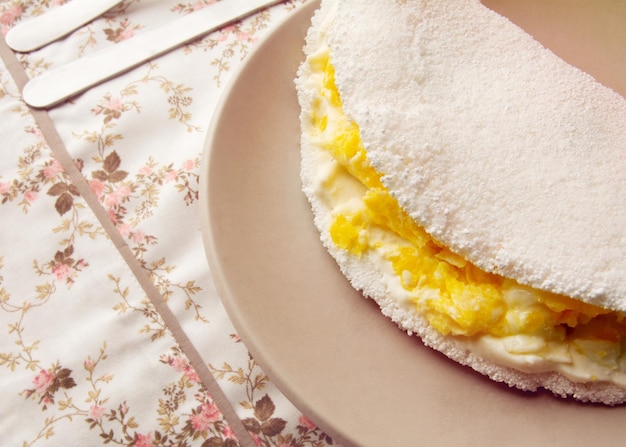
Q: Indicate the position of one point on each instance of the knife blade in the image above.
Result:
(39, 31)
(59, 84)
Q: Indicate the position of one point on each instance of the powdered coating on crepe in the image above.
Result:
(503, 152)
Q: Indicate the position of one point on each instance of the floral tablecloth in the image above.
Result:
(111, 330)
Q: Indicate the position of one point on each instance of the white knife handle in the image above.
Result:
(75, 77)
(38, 31)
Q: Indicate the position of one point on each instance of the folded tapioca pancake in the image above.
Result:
(473, 184)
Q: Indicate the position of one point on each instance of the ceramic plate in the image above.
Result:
(330, 351)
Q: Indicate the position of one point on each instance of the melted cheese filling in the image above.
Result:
(501, 320)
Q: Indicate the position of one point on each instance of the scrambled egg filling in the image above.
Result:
(456, 297)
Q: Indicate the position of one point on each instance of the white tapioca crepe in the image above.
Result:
(501, 151)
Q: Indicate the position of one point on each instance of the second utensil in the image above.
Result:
(61, 83)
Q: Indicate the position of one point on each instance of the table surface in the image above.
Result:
(112, 331)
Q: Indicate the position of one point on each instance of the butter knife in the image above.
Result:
(39, 31)
(59, 84)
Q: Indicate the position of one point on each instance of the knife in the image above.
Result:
(58, 22)
(59, 84)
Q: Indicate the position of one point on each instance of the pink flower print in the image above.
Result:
(211, 412)
(246, 37)
(38, 134)
(224, 32)
(112, 216)
(115, 104)
(305, 422)
(96, 412)
(127, 33)
(138, 237)
(61, 271)
(124, 229)
(4, 187)
(11, 14)
(30, 195)
(179, 364)
(106, 378)
(112, 199)
(199, 423)
(192, 375)
(97, 187)
(43, 380)
(52, 170)
(123, 192)
(256, 438)
(199, 5)
(170, 176)
(143, 440)
(228, 432)
(145, 170)
(182, 365)
(202, 421)
(189, 165)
